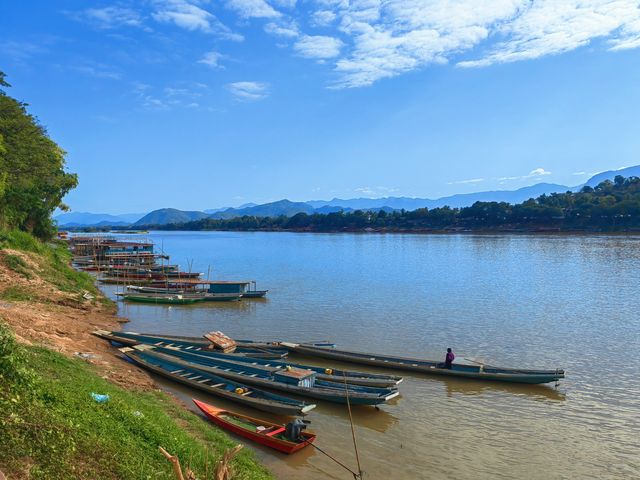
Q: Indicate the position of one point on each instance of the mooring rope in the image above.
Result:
(356, 476)
(353, 432)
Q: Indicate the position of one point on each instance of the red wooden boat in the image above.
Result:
(260, 431)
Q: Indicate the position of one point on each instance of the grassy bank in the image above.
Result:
(49, 262)
(51, 427)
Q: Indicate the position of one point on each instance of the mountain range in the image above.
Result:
(286, 207)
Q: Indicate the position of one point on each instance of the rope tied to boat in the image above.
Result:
(356, 475)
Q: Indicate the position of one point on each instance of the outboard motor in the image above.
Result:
(293, 430)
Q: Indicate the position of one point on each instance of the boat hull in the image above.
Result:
(131, 338)
(215, 415)
(244, 373)
(475, 372)
(169, 300)
(194, 378)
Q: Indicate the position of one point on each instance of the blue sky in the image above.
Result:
(199, 104)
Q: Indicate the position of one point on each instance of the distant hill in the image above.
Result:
(611, 174)
(273, 209)
(459, 200)
(288, 208)
(216, 210)
(81, 219)
(164, 216)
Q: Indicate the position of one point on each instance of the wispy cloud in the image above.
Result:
(212, 59)
(318, 46)
(249, 91)
(396, 36)
(109, 17)
(190, 16)
(375, 191)
(20, 51)
(97, 70)
(288, 30)
(253, 8)
(322, 18)
(538, 172)
(169, 97)
(463, 182)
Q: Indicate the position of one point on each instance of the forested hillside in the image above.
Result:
(610, 206)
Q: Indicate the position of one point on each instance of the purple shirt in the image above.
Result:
(449, 358)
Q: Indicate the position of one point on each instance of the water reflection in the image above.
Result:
(378, 419)
(536, 392)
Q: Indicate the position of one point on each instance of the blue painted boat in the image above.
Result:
(290, 379)
(132, 338)
(322, 373)
(215, 385)
(431, 367)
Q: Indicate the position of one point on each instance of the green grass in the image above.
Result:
(16, 294)
(18, 265)
(50, 425)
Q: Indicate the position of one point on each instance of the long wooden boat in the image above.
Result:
(216, 385)
(431, 367)
(165, 299)
(272, 345)
(296, 381)
(322, 373)
(202, 296)
(260, 431)
(132, 338)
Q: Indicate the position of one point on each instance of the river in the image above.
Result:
(530, 301)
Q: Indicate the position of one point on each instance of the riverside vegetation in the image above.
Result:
(50, 426)
(609, 207)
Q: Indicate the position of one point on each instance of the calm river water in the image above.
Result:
(512, 300)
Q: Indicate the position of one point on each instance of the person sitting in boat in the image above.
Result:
(449, 358)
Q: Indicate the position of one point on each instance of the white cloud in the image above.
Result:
(552, 27)
(537, 172)
(285, 3)
(462, 182)
(186, 14)
(322, 18)
(253, 8)
(288, 30)
(97, 70)
(111, 17)
(318, 46)
(371, 191)
(212, 59)
(249, 91)
(391, 37)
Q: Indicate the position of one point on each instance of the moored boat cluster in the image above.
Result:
(146, 278)
(248, 372)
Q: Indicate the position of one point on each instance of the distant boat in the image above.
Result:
(215, 385)
(255, 294)
(290, 379)
(195, 295)
(132, 338)
(431, 367)
(165, 299)
(272, 435)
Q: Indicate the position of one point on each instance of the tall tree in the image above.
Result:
(33, 180)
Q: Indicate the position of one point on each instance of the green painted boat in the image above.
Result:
(176, 299)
